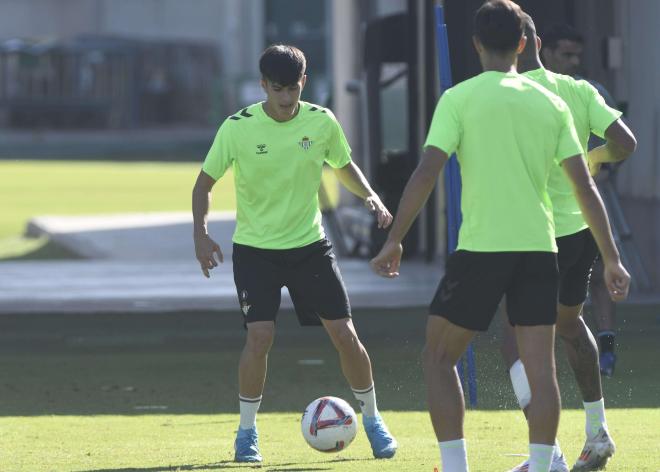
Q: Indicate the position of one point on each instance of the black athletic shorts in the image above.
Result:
(475, 282)
(577, 253)
(310, 273)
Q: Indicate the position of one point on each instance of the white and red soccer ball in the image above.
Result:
(329, 424)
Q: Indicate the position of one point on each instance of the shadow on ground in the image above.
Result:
(223, 465)
(186, 363)
(35, 249)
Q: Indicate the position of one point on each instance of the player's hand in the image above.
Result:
(388, 260)
(617, 281)
(383, 215)
(205, 250)
(594, 167)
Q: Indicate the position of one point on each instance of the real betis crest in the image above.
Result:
(305, 143)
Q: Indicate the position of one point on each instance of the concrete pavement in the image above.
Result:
(145, 263)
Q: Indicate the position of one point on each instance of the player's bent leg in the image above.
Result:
(254, 358)
(251, 378)
(355, 363)
(524, 395)
(581, 350)
(536, 346)
(445, 344)
(356, 366)
(583, 356)
(509, 351)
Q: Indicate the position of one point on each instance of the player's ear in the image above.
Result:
(539, 43)
(303, 81)
(264, 85)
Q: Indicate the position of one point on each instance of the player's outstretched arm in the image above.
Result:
(617, 278)
(417, 191)
(205, 247)
(354, 180)
(620, 144)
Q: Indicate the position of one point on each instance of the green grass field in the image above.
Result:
(155, 393)
(160, 442)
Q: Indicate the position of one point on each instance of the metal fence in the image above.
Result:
(106, 82)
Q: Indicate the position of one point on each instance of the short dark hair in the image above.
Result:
(498, 25)
(558, 31)
(528, 26)
(282, 64)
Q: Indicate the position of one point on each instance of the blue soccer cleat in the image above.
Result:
(383, 444)
(247, 445)
(607, 362)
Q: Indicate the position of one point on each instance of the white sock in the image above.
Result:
(453, 455)
(367, 399)
(520, 384)
(249, 408)
(540, 457)
(595, 414)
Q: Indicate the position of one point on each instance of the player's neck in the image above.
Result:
(527, 64)
(498, 63)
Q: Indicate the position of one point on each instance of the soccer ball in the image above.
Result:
(329, 424)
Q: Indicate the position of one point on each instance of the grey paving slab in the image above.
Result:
(145, 263)
(102, 286)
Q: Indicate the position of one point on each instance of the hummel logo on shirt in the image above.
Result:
(262, 149)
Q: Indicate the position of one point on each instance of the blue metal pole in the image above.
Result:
(453, 190)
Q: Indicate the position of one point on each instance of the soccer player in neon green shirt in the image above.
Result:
(277, 149)
(562, 51)
(576, 253)
(509, 133)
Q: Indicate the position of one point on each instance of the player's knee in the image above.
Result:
(570, 324)
(568, 327)
(541, 379)
(260, 340)
(346, 340)
(437, 357)
(509, 352)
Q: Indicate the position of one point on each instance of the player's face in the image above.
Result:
(282, 101)
(565, 58)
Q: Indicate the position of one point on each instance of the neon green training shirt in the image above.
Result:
(591, 115)
(277, 170)
(508, 133)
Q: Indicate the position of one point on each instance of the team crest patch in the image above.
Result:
(305, 143)
(245, 308)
